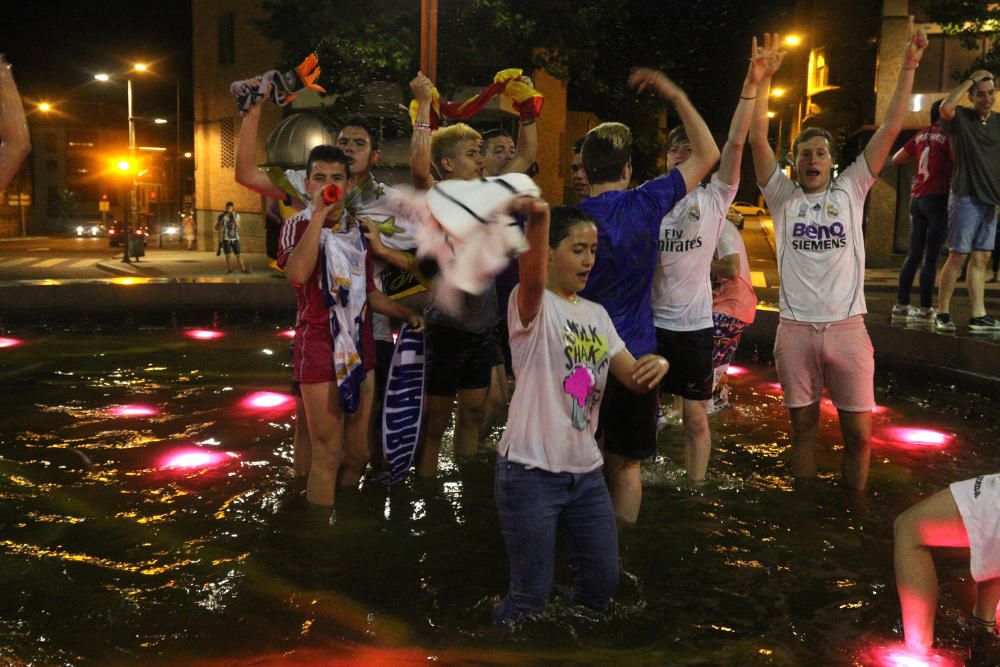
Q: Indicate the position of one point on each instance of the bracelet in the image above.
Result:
(526, 123)
(422, 126)
(910, 69)
(744, 97)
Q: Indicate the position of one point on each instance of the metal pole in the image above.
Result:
(179, 197)
(131, 166)
(428, 38)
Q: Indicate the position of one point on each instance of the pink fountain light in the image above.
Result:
(268, 400)
(736, 370)
(132, 410)
(10, 342)
(896, 655)
(287, 333)
(189, 459)
(915, 438)
(203, 334)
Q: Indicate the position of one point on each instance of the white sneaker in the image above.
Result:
(662, 423)
(925, 315)
(907, 312)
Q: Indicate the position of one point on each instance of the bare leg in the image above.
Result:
(326, 428)
(977, 281)
(934, 522)
(229, 269)
(697, 439)
(357, 449)
(856, 428)
(805, 430)
(469, 420)
(301, 449)
(625, 485)
(243, 267)
(949, 277)
(987, 598)
(435, 422)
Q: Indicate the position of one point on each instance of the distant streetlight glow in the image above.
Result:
(44, 107)
(123, 165)
(140, 67)
(102, 77)
(160, 121)
(158, 149)
(189, 154)
(778, 92)
(770, 114)
(793, 40)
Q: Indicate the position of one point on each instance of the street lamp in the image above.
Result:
(793, 40)
(44, 107)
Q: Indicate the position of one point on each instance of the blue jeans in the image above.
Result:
(533, 506)
(972, 224)
(928, 228)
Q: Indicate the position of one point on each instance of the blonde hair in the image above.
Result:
(445, 141)
(606, 150)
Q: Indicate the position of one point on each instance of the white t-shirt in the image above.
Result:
(734, 296)
(561, 361)
(682, 285)
(820, 244)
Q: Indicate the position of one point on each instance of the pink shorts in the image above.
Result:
(836, 355)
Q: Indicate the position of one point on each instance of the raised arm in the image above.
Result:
(955, 96)
(13, 127)
(732, 151)
(760, 148)
(533, 264)
(302, 261)
(247, 173)
(420, 142)
(704, 151)
(881, 142)
(901, 157)
(527, 145)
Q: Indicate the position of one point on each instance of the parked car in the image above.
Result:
(746, 208)
(735, 217)
(116, 233)
(89, 229)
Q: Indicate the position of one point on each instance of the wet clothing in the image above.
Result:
(978, 502)
(734, 297)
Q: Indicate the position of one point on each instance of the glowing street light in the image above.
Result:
(44, 107)
(160, 121)
(778, 92)
(102, 77)
(189, 154)
(793, 40)
(124, 166)
(140, 67)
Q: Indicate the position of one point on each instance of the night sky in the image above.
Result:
(56, 47)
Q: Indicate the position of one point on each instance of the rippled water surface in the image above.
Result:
(112, 552)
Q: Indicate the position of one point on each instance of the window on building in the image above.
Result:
(227, 143)
(945, 62)
(51, 142)
(227, 39)
(819, 70)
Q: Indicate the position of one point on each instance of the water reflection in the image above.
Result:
(221, 562)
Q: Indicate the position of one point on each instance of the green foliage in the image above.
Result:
(64, 205)
(969, 20)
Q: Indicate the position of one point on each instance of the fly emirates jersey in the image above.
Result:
(682, 284)
(820, 245)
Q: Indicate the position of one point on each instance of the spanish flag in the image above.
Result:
(509, 84)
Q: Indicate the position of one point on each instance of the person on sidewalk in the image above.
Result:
(228, 226)
(975, 194)
(963, 515)
(930, 149)
(821, 338)
(188, 231)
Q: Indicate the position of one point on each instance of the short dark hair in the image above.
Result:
(606, 150)
(812, 133)
(936, 112)
(676, 136)
(578, 145)
(493, 134)
(228, 204)
(364, 124)
(562, 219)
(327, 153)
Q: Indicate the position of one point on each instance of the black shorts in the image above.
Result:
(690, 357)
(383, 357)
(231, 246)
(628, 421)
(503, 346)
(458, 359)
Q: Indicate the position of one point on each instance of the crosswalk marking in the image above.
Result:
(16, 261)
(82, 263)
(50, 262)
(757, 279)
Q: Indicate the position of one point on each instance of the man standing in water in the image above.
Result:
(822, 340)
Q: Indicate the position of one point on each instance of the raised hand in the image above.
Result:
(422, 88)
(766, 60)
(916, 46)
(644, 78)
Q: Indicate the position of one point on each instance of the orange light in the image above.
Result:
(778, 92)
(793, 40)
(141, 67)
(123, 165)
(44, 107)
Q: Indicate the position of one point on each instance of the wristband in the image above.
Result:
(525, 123)
(426, 127)
(744, 97)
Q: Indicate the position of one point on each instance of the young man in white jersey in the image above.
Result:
(821, 339)
(682, 286)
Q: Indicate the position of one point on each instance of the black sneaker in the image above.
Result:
(943, 322)
(984, 324)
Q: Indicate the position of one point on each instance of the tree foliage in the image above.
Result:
(969, 20)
